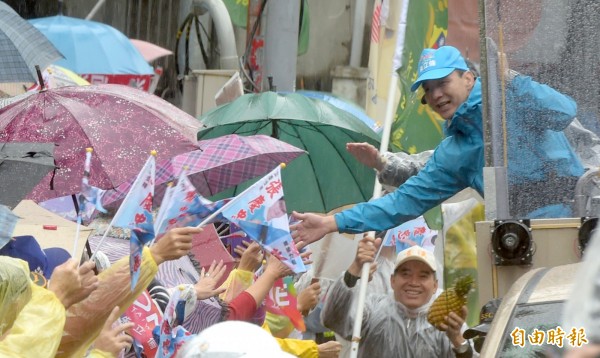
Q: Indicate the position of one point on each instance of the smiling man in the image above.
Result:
(539, 155)
(395, 325)
(452, 91)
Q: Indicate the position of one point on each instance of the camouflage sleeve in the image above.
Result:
(400, 166)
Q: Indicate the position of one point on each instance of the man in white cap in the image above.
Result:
(395, 325)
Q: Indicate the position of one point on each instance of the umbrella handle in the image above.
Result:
(40, 78)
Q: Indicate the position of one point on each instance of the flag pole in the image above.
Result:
(385, 140)
(84, 181)
(137, 179)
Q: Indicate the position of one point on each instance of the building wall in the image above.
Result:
(157, 21)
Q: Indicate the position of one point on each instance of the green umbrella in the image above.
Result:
(325, 179)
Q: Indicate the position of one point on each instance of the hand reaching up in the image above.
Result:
(205, 288)
(174, 244)
(72, 284)
(251, 256)
(367, 154)
(112, 338)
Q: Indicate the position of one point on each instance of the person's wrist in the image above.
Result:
(156, 255)
(462, 347)
(380, 162)
(350, 280)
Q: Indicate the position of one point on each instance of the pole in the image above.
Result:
(95, 9)
(385, 138)
(364, 275)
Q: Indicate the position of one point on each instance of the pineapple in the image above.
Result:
(450, 300)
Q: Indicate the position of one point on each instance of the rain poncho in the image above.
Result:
(455, 164)
(538, 153)
(33, 316)
(387, 330)
(86, 318)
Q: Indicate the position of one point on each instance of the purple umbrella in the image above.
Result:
(122, 125)
(221, 163)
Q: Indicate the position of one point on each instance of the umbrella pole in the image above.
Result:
(364, 275)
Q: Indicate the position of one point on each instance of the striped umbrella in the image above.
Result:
(221, 163)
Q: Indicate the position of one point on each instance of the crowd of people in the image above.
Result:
(75, 311)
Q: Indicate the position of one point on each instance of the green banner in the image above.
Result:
(416, 127)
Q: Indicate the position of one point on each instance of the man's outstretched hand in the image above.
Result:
(311, 228)
(367, 154)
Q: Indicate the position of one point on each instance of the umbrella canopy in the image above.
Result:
(22, 47)
(92, 47)
(22, 166)
(150, 51)
(345, 105)
(120, 123)
(220, 164)
(328, 177)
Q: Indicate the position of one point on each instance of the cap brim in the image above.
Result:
(414, 258)
(431, 75)
(56, 256)
(476, 331)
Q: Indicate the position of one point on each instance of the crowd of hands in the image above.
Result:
(72, 283)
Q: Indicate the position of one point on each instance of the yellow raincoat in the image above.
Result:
(31, 317)
(86, 318)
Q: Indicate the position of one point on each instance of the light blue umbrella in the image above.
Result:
(345, 105)
(91, 47)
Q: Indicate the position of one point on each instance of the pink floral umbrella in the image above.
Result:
(221, 163)
(122, 125)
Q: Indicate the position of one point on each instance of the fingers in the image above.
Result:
(218, 271)
(114, 314)
(297, 216)
(189, 230)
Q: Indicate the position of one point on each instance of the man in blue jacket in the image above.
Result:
(454, 93)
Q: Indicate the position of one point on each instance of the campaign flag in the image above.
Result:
(90, 196)
(135, 213)
(261, 213)
(282, 301)
(171, 335)
(185, 207)
(411, 233)
(146, 315)
(423, 24)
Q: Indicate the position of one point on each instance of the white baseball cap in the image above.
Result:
(233, 339)
(416, 253)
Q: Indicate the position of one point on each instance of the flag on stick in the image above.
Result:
(261, 213)
(135, 213)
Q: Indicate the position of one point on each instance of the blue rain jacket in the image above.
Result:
(457, 162)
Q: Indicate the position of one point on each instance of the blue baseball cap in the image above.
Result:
(438, 63)
(40, 261)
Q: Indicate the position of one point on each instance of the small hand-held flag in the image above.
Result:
(261, 213)
(135, 213)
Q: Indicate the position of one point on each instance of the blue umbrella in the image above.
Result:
(345, 105)
(91, 47)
